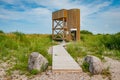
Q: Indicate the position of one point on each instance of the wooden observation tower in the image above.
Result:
(66, 25)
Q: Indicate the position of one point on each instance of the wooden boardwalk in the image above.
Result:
(62, 61)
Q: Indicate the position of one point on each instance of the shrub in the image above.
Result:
(1, 31)
(117, 33)
(85, 32)
(111, 41)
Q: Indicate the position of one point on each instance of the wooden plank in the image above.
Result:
(73, 21)
(52, 28)
(59, 14)
(66, 70)
(62, 61)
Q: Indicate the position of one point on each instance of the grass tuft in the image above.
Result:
(34, 71)
(85, 66)
(106, 72)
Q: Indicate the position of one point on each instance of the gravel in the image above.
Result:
(48, 75)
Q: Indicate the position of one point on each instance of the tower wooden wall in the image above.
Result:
(63, 21)
(73, 22)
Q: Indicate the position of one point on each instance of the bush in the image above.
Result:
(111, 41)
(1, 31)
(117, 33)
(85, 32)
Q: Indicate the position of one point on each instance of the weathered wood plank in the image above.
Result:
(62, 61)
(70, 20)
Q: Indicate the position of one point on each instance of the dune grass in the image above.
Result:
(19, 46)
(98, 45)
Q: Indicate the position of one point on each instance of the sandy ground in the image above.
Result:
(114, 67)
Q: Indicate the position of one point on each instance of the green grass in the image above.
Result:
(97, 45)
(85, 67)
(75, 50)
(19, 46)
(34, 71)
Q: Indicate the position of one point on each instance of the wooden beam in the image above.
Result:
(52, 29)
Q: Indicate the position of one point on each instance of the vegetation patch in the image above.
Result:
(85, 66)
(106, 73)
(85, 32)
(112, 42)
(1, 31)
(99, 45)
(19, 46)
(34, 71)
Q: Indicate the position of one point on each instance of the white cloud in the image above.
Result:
(113, 13)
(104, 22)
(43, 15)
(60, 4)
(29, 15)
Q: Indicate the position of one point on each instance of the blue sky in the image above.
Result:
(34, 16)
